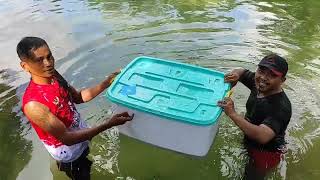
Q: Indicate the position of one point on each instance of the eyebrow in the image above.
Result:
(39, 58)
(49, 54)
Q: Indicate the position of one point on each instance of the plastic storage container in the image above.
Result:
(175, 104)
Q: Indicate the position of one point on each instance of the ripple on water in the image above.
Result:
(220, 35)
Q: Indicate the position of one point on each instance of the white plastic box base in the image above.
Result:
(170, 134)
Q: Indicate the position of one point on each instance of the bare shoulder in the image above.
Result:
(36, 110)
(42, 116)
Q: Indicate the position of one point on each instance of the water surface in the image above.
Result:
(92, 38)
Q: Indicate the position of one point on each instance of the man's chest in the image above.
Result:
(258, 109)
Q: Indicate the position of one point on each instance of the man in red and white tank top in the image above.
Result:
(48, 103)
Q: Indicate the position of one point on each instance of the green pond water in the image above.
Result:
(92, 38)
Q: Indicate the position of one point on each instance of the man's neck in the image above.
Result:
(41, 80)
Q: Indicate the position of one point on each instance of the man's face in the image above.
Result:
(266, 80)
(41, 64)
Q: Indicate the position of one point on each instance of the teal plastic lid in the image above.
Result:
(170, 89)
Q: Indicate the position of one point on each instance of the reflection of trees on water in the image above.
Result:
(15, 150)
(299, 27)
(296, 32)
(163, 11)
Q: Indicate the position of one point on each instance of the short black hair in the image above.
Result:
(29, 44)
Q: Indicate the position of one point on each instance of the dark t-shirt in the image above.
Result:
(273, 111)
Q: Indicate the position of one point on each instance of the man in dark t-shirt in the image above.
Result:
(268, 114)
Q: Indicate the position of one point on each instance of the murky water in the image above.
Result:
(91, 38)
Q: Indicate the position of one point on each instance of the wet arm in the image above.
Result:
(47, 121)
(262, 133)
(239, 71)
(234, 76)
(88, 94)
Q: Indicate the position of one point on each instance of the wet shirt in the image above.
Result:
(273, 111)
(59, 102)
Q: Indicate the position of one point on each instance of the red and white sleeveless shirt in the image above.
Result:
(56, 98)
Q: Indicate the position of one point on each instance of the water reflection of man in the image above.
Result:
(48, 103)
(268, 114)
